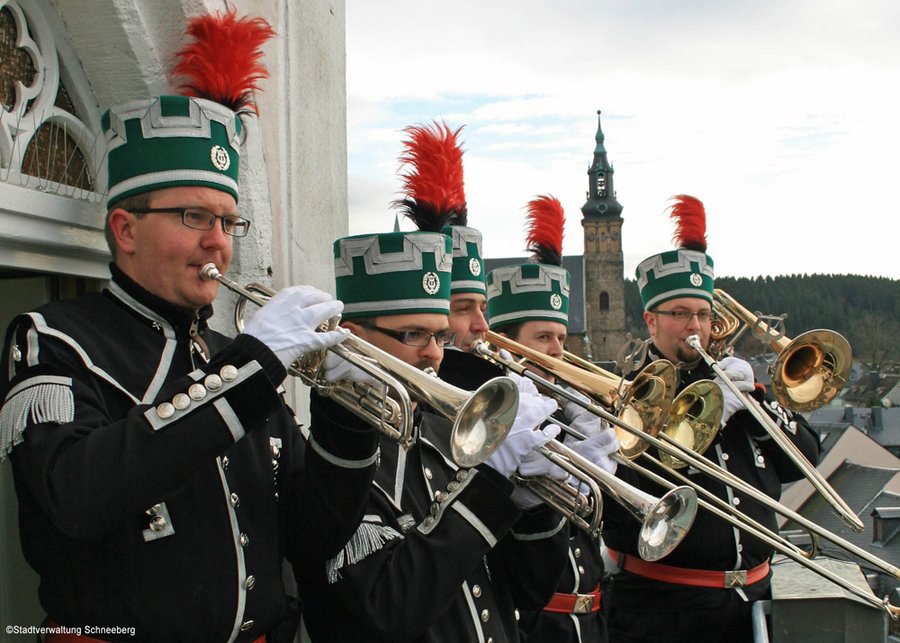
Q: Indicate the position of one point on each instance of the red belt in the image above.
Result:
(575, 603)
(685, 576)
(68, 637)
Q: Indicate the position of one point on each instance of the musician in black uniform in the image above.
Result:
(444, 553)
(161, 477)
(703, 590)
(529, 304)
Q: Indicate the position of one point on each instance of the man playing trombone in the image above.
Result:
(445, 552)
(529, 304)
(701, 591)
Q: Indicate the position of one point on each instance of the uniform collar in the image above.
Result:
(176, 315)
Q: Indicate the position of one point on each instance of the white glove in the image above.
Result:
(335, 368)
(525, 499)
(536, 464)
(580, 418)
(287, 323)
(522, 437)
(598, 448)
(524, 384)
(739, 372)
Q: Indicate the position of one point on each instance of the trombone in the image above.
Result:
(481, 419)
(664, 521)
(723, 510)
(664, 443)
(648, 402)
(809, 371)
(812, 474)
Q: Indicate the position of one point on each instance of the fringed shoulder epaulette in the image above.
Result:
(371, 536)
(36, 400)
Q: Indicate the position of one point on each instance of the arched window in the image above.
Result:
(51, 152)
(604, 300)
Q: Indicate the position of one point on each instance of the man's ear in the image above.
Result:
(650, 320)
(121, 224)
(353, 327)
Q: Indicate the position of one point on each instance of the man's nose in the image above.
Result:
(431, 350)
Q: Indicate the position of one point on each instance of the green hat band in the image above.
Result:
(393, 273)
(527, 292)
(468, 264)
(171, 141)
(674, 274)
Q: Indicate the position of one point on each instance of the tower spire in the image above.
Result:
(601, 194)
(604, 280)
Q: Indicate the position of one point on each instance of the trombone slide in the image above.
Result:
(790, 449)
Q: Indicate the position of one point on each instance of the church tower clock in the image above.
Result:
(604, 287)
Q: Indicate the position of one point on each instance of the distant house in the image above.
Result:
(871, 388)
(893, 397)
(881, 424)
(867, 477)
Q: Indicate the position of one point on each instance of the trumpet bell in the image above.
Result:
(811, 370)
(694, 419)
(483, 421)
(667, 523)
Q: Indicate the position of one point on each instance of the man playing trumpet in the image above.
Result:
(444, 552)
(702, 591)
(161, 476)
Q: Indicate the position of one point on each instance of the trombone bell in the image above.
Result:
(694, 419)
(666, 523)
(811, 370)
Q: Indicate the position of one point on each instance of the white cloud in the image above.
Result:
(780, 116)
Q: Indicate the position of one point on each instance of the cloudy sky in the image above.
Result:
(782, 116)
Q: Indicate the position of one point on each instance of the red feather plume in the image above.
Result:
(223, 63)
(432, 171)
(545, 221)
(690, 222)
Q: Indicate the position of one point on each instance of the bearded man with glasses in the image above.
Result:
(701, 592)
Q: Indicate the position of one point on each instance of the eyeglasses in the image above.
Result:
(684, 316)
(417, 338)
(200, 219)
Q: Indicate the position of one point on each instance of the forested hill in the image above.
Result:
(865, 310)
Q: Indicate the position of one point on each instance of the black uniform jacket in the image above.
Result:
(443, 553)
(743, 448)
(156, 490)
(583, 569)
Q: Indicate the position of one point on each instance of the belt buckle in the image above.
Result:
(736, 578)
(584, 603)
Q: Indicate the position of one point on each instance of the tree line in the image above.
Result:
(865, 310)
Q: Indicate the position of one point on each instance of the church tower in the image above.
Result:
(604, 281)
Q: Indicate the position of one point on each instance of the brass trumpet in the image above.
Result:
(809, 371)
(481, 419)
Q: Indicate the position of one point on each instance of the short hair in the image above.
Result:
(512, 330)
(136, 202)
